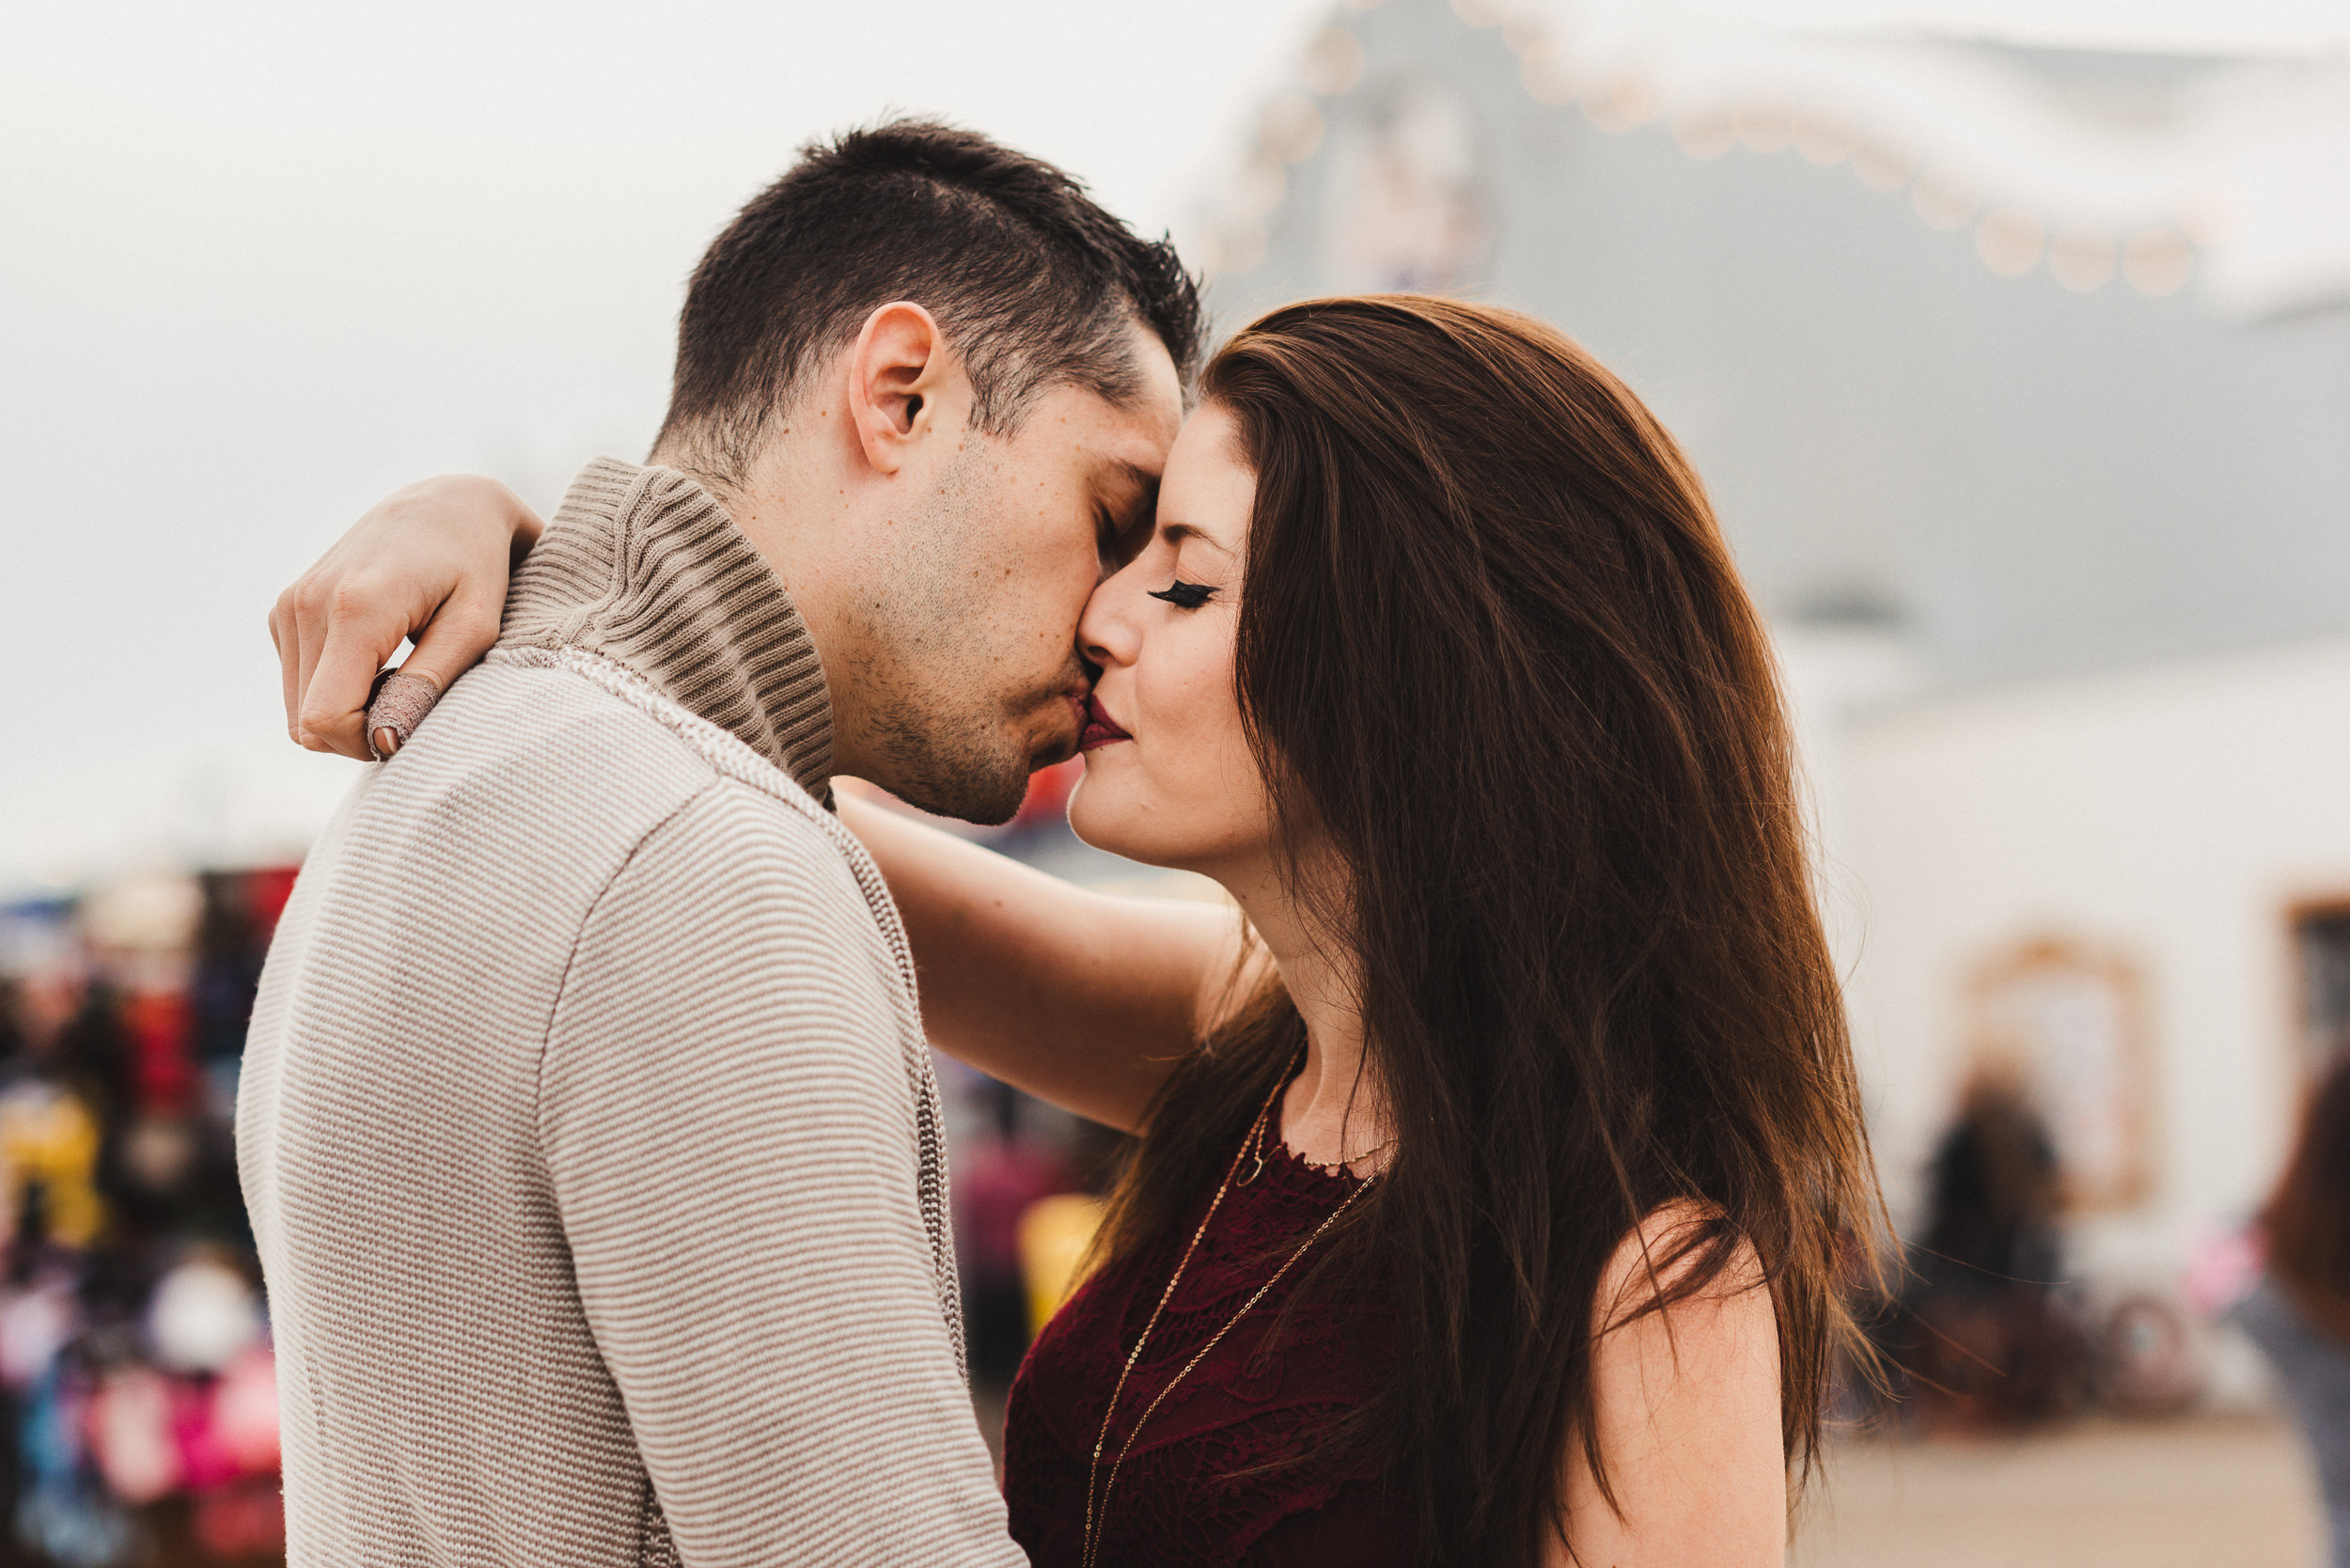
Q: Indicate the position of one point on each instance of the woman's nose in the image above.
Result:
(1105, 632)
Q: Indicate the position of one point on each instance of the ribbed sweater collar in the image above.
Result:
(644, 566)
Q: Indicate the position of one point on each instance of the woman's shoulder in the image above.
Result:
(1685, 1409)
(1683, 1255)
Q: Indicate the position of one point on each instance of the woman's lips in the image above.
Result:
(1100, 728)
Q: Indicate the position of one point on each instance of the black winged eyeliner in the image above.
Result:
(1183, 595)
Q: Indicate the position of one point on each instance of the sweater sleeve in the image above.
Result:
(729, 1136)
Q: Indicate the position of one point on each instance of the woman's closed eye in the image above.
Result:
(1184, 596)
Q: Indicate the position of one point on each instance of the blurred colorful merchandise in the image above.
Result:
(1055, 1235)
(49, 1163)
(63, 1512)
(139, 1385)
(151, 1434)
(1000, 1175)
(162, 1075)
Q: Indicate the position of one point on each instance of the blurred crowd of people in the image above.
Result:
(1985, 1327)
(140, 1401)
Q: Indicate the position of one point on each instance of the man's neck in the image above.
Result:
(645, 567)
(791, 511)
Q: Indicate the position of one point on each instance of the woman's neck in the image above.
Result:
(1335, 1109)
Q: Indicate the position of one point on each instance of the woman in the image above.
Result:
(2300, 1314)
(1490, 1184)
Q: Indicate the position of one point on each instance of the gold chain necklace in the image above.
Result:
(1093, 1475)
(1328, 1168)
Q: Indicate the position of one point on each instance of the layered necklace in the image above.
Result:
(1097, 1510)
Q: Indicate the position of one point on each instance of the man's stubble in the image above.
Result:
(950, 735)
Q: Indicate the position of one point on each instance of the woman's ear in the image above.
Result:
(901, 373)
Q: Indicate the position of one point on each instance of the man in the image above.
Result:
(588, 1125)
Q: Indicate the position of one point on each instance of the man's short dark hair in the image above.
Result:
(1032, 283)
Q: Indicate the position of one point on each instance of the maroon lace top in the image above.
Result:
(1182, 1496)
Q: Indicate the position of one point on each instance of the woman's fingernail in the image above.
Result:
(386, 740)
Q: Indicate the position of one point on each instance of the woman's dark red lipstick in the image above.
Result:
(1101, 730)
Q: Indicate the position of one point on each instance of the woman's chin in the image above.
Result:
(1101, 816)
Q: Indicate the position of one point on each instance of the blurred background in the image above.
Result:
(2012, 338)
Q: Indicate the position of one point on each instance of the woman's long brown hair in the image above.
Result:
(1493, 652)
(2307, 1220)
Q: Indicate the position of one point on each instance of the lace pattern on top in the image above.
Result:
(1222, 1474)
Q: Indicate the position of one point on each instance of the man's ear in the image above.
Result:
(903, 379)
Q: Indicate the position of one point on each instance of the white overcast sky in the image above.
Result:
(261, 261)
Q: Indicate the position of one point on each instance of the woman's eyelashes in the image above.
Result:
(1184, 596)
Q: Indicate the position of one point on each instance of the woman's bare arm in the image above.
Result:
(1085, 999)
(1687, 1404)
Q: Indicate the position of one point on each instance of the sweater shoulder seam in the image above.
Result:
(725, 752)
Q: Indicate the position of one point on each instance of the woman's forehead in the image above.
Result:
(1209, 488)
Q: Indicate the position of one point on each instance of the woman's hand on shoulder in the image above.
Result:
(1686, 1405)
(429, 562)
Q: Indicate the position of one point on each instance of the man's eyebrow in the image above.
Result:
(1139, 480)
(1175, 533)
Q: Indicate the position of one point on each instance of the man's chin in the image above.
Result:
(984, 791)
(983, 782)
(982, 807)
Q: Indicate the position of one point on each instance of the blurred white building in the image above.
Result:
(2021, 379)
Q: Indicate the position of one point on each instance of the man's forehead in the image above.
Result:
(1155, 410)
(1127, 446)
(1123, 442)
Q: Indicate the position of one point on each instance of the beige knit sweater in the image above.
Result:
(587, 1123)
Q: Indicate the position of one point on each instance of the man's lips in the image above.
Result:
(1100, 728)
